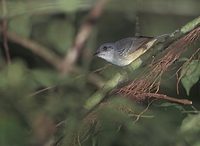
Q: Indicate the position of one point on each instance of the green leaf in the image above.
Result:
(190, 129)
(191, 75)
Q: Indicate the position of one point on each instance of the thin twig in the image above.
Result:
(131, 113)
(100, 95)
(78, 139)
(4, 31)
(36, 48)
(5, 40)
(140, 114)
(82, 36)
(60, 123)
(101, 69)
(191, 112)
(42, 90)
(165, 97)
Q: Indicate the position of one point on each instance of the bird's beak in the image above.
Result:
(96, 53)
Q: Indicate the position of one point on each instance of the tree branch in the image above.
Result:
(165, 97)
(4, 31)
(82, 36)
(36, 48)
(98, 96)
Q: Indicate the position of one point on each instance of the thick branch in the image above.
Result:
(82, 36)
(36, 48)
(97, 97)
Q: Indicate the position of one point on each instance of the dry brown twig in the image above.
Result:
(141, 88)
(82, 36)
(165, 97)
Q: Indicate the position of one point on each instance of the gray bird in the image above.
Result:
(125, 51)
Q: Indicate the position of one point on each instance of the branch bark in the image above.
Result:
(36, 48)
(165, 97)
(82, 36)
(98, 96)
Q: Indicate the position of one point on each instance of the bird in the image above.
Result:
(126, 50)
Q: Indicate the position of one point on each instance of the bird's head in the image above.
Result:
(106, 51)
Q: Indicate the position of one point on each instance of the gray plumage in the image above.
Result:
(126, 50)
(131, 44)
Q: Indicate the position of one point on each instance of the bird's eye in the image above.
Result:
(105, 48)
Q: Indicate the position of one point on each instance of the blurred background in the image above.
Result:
(47, 72)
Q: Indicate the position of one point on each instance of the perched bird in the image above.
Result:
(125, 51)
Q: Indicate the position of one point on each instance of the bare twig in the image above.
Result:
(140, 88)
(132, 113)
(42, 90)
(191, 112)
(36, 48)
(82, 36)
(4, 31)
(5, 41)
(101, 69)
(183, 66)
(140, 114)
(49, 56)
(165, 97)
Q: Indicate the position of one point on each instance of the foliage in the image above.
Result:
(39, 105)
(191, 75)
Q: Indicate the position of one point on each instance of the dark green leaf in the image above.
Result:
(190, 129)
(191, 75)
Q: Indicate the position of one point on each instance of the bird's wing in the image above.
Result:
(129, 45)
